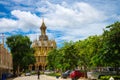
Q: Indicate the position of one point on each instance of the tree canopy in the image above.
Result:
(94, 51)
(20, 47)
(111, 46)
(63, 58)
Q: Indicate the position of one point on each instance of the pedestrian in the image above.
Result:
(38, 74)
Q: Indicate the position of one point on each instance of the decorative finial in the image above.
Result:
(43, 20)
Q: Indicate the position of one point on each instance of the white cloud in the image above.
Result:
(7, 25)
(76, 21)
(26, 20)
(25, 2)
(78, 14)
(80, 19)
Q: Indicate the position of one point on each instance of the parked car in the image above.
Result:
(27, 74)
(75, 75)
(66, 74)
(9, 75)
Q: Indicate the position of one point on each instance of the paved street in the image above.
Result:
(42, 77)
(34, 77)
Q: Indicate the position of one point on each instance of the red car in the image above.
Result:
(76, 74)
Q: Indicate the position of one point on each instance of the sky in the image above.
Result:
(66, 20)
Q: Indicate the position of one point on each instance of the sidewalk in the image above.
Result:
(42, 77)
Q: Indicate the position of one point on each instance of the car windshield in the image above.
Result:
(67, 71)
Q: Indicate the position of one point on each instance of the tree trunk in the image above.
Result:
(18, 70)
(85, 73)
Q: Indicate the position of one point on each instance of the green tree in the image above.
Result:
(52, 59)
(109, 49)
(55, 60)
(64, 58)
(20, 47)
(111, 46)
(87, 49)
(96, 44)
(70, 56)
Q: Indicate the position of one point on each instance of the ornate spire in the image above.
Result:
(43, 35)
(43, 28)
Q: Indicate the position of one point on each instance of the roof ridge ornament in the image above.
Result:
(43, 20)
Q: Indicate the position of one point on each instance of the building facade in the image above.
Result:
(42, 47)
(6, 65)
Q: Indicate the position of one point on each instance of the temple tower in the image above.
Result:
(42, 47)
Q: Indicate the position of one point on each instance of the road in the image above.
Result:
(42, 77)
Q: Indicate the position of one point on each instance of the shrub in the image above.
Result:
(54, 74)
(108, 77)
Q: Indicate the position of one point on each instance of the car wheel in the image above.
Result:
(74, 79)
